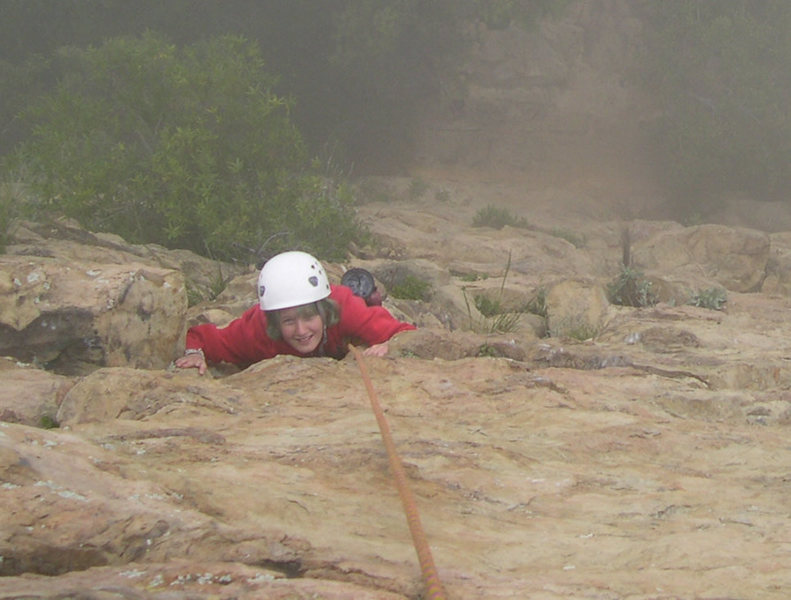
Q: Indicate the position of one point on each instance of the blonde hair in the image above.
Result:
(327, 309)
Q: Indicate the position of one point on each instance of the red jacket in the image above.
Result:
(244, 341)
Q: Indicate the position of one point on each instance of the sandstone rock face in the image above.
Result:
(647, 460)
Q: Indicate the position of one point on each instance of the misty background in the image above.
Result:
(223, 126)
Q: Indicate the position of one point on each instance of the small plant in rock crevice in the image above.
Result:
(575, 329)
(631, 288)
(713, 298)
(497, 319)
(48, 422)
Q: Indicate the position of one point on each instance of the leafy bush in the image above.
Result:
(497, 218)
(631, 288)
(185, 147)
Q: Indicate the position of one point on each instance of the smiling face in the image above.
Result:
(301, 327)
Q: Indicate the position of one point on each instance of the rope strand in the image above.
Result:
(434, 589)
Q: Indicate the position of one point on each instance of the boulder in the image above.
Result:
(74, 316)
(732, 257)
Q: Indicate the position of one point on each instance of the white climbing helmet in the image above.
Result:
(291, 279)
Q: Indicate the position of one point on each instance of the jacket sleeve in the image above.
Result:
(243, 341)
(371, 324)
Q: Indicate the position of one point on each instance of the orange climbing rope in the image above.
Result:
(434, 589)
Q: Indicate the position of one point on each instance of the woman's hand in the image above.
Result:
(376, 350)
(193, 360)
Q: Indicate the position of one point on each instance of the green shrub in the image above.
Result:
(497, 218)
(187, 147)
(631, 288)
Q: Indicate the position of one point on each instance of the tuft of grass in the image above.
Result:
(497, 218)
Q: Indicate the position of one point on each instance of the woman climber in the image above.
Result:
(298, 313)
